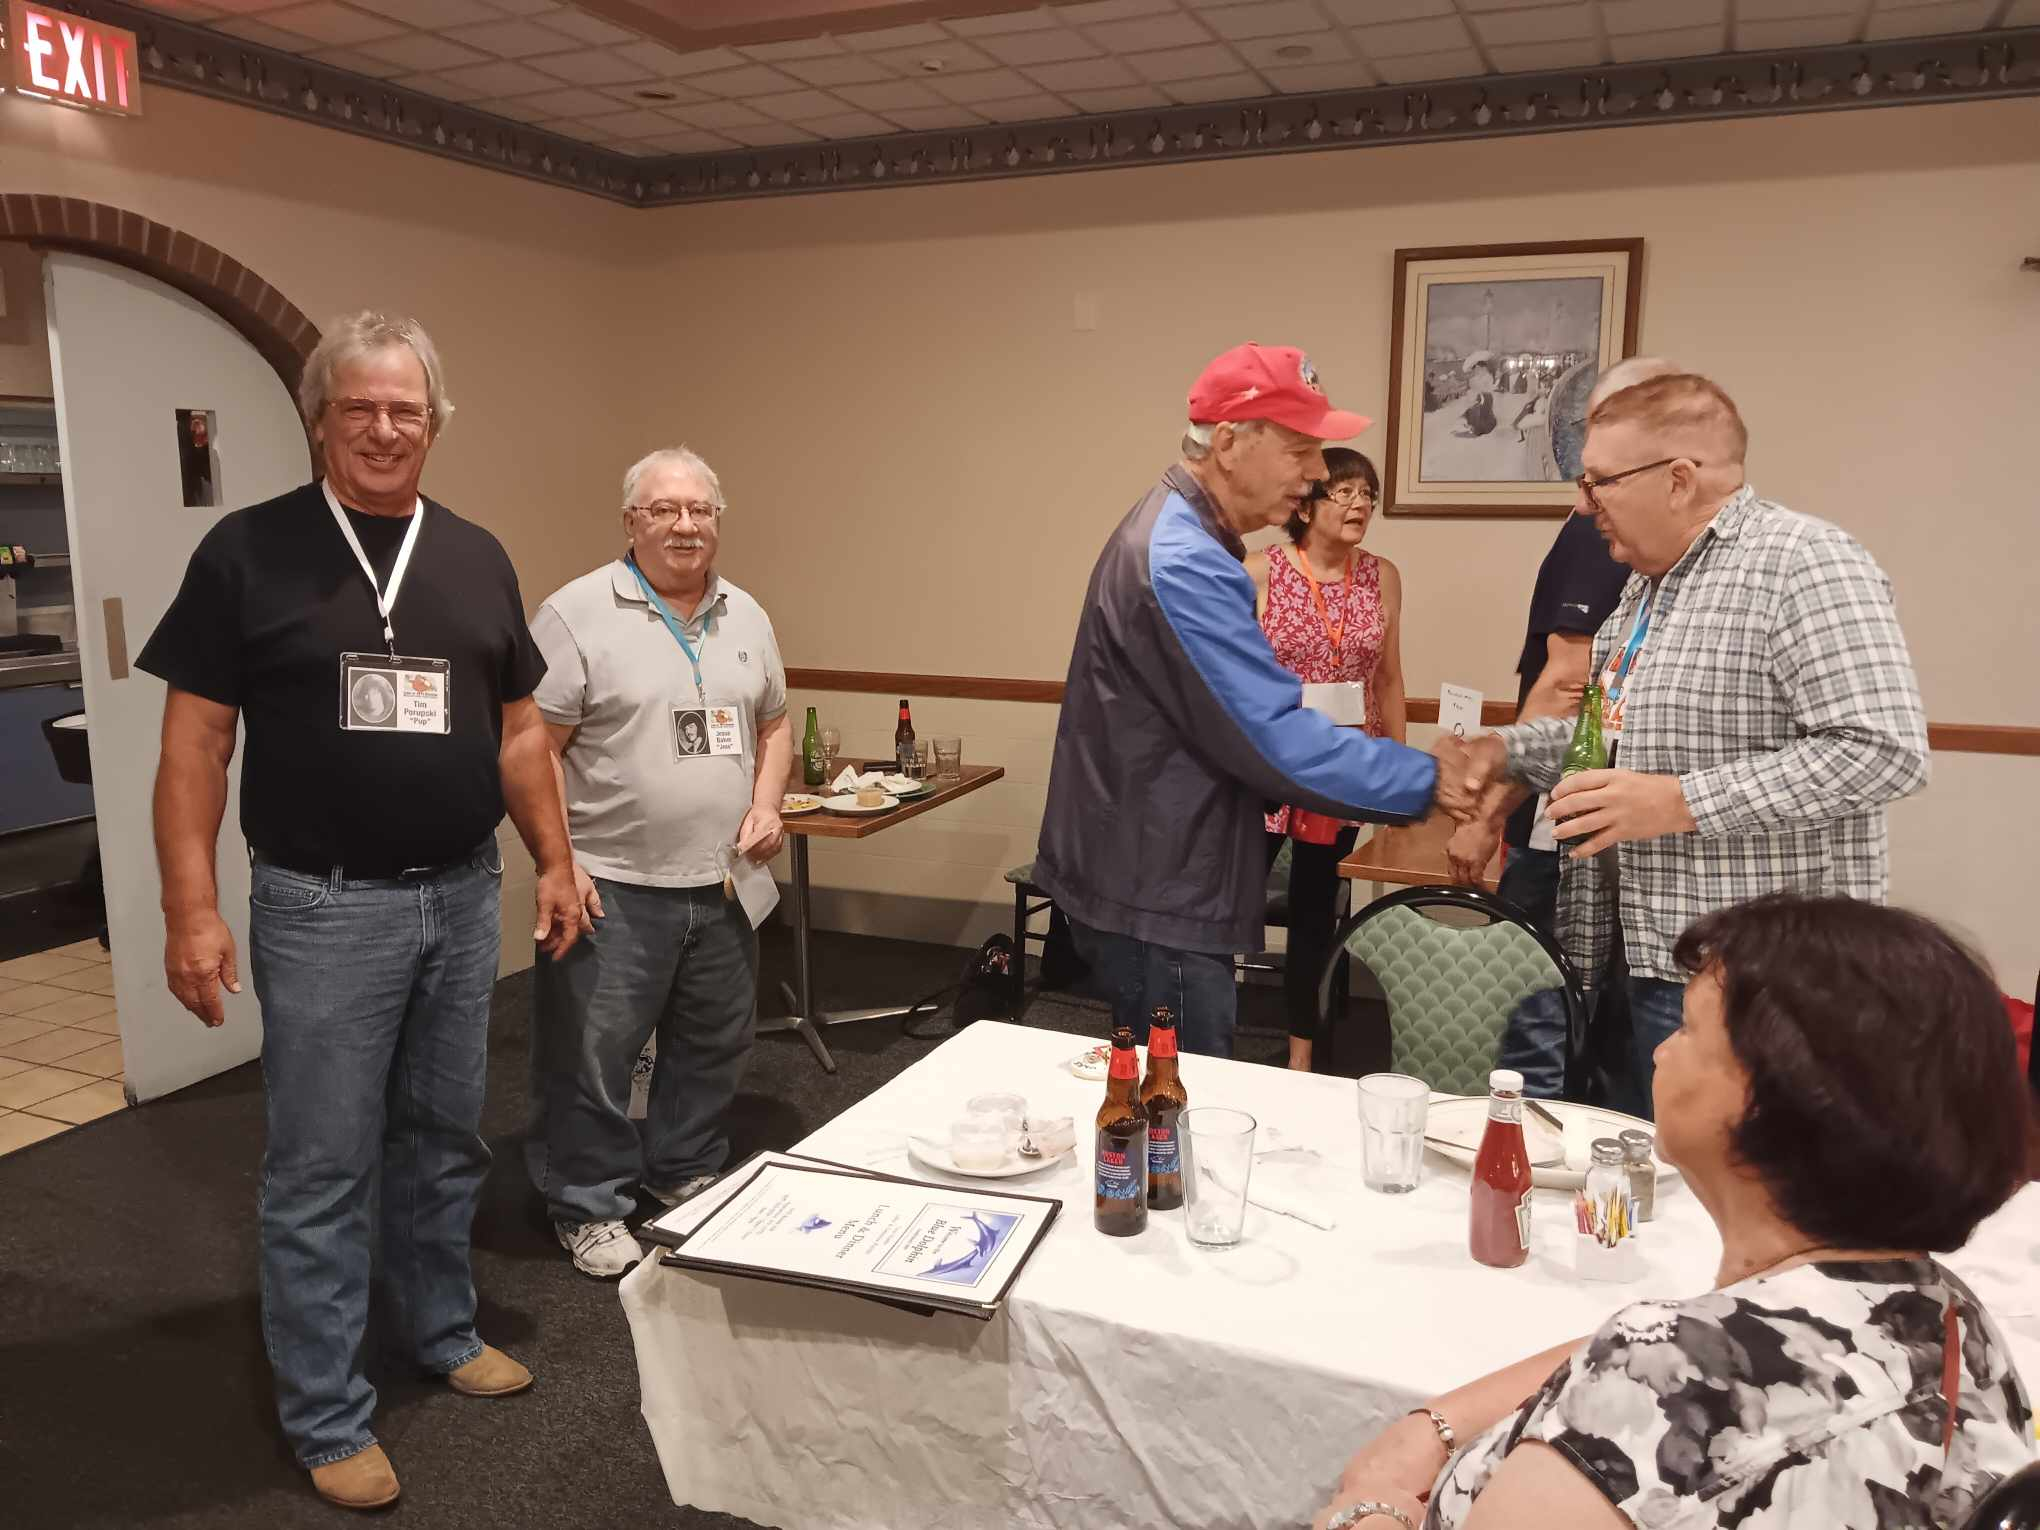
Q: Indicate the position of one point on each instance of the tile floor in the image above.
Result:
(60, 1062)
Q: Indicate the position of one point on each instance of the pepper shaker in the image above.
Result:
(1642, 1171)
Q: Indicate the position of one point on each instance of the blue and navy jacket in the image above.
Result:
(1178, 727)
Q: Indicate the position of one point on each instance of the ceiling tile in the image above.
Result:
(1039, 107)
(1676, 42)
(192, 10)
(690, 143)
(597, 66)
(1401, 38)
(516, 108)
(1135, 98)
(1089, 14)
(652, 93)
(421, 52)
(587, 29)
(2024, 13)
(1295, 52)
(718, 115)
(1348, 74)
(771, 135)
(1805, 32)
(954, 57)
(1411, 68)
(935, 119)
(1000, 26)
(441, 87)
(1501, 5)
(335, 25)
(849, 125)
(751, 80)
(922, 34)
(1177, 31)
(791, 105)
(1779, 10)
(883, 96)
(1621, 16)
(501, 78)
(1556, 23)
(525, 7)
(1535, 58)
(1268, 20)
(260, 32)
(834, 71)
(1047, 47)
(986, 85)
(1928, 20)
(358, 63)
(1221, 87)
(1185, 63)
(1359, 13)
(567, 103)
(1083, 74)
(511, 39)
(799, 47)
(670, 65)
(636, 125)
(644, 149)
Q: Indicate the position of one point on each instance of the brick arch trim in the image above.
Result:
(263, 316)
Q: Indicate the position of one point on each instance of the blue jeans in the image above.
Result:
(375, 1018)
(1655, 1011)
(681, 962)
(1533, 1042)
(1137, 975)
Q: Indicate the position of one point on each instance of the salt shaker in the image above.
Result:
(1642, 1171)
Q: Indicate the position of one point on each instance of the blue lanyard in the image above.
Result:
(1636, 636)
(673, 626)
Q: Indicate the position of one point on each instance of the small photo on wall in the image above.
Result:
(197, 460)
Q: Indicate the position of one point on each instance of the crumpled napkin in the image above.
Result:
(886, 781)
(1294, 1181)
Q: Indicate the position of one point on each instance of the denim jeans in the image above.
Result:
(1137, 975)
(1314, 884)
(1530, 881)
(375, 1018)
(681, 962)
(1534, 1040)
(1655, 1011)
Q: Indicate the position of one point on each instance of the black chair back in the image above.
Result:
(2014, 1504)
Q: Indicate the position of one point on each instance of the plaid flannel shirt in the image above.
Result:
(1776, 685)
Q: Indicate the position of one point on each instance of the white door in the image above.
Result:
(126, 353)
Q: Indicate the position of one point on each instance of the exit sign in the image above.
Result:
(65, 58)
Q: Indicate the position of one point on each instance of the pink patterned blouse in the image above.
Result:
(1297, 632)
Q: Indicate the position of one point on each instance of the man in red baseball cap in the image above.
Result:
(1178, 723)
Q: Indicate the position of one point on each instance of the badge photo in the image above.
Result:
(690, 731)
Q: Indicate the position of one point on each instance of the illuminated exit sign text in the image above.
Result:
(61, 57)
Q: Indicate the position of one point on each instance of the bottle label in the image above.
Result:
(1118, 1180)
(1125, 1063)
(1505, 1107)
(1162, 1154)
(1523, 1221)
(1161, 1041)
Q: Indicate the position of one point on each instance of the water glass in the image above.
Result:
(1218, 1159)
(832, 745)
(949, 758)
(1392, 1111)
(978, 1143)
(1009, 1108)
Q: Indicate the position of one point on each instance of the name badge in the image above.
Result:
(708, 732)
(379, 694)
(1344, 702)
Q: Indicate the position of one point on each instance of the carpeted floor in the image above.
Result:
(133, 1385)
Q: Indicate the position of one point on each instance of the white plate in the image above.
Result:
(936, 1156)
(799, 802)
(848, 804)
(1453, 1129)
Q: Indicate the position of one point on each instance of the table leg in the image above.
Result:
(800, 995)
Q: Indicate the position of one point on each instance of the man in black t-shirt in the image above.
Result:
(373, 644)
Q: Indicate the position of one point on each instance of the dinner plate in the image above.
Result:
(936, 1156)
(795, 803)
(848, 804)
(1453, 1129)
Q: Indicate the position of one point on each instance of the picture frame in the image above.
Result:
(1492, 352)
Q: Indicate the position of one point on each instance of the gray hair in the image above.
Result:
(362, 334)
(672, 457)
(1627, 374)
(1197, 437)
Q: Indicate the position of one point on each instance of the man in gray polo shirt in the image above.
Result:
(666, 704)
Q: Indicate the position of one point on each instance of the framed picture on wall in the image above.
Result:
(1492, 354)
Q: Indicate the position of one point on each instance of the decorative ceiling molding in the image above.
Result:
(1912, 72)
(690, 24)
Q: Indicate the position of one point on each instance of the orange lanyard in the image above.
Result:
(1334, 630)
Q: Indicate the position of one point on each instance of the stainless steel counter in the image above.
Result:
(37, 669)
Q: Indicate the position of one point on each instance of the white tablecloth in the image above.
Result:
(1135, 1382)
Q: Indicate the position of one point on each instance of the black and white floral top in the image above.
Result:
(1809, 1397)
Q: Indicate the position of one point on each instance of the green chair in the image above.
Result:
(1452, 987)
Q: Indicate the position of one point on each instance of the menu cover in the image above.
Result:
(908, 1243)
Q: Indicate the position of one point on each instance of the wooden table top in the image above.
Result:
(1413, 855)
(828, 825)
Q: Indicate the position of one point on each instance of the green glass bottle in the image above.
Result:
(811, 767)
(1587, 751)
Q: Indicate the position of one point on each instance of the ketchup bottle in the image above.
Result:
(1498, 1230)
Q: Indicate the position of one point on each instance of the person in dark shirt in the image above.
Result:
(373, 645)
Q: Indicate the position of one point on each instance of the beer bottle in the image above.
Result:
(1163, 1097)
(903, 741)
(1121, 1209)
(811, 766)
(1586, 751)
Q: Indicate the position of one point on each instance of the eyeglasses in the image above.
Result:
(1352, 492)
(1588, 485)
(664, 512)
(404, 415)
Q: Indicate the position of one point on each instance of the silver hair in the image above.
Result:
(362, 334)
(1197, 438)
(672, 457)
(1628, 373)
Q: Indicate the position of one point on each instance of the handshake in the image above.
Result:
(1466, 769)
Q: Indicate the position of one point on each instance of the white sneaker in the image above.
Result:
(605, 1250)
(685, 1191)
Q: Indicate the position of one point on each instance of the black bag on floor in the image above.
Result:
(1061, 966)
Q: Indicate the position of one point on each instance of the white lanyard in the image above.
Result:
(385, 600)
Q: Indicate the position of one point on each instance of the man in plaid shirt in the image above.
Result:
(1758, 701)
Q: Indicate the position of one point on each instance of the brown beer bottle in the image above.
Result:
(1122, 1164)
(1163, 1097)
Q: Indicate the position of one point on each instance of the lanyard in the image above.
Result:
(385, 600)
(1336, 631)
(1637, 633)
(673, 626)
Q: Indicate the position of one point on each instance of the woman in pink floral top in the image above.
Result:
(1332, 613)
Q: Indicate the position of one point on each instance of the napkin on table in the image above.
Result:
(1294, 1181)
(886, 781)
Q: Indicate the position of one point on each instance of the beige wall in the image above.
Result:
(24, 331)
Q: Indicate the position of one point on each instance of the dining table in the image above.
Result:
(1131, 1382)
(1411, 854)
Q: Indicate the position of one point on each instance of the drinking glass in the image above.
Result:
(832, 745)
(1218, 1158)
(978, 1143)
(10, 458)
(1392, 1111)
(949, 758)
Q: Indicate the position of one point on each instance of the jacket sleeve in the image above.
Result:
(1212, 671)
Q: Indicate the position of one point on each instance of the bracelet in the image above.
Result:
(1445, 1435)
(1353, 1513)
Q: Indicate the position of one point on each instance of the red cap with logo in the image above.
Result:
(1270, 382)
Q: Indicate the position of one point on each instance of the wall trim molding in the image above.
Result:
(1949, 738)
